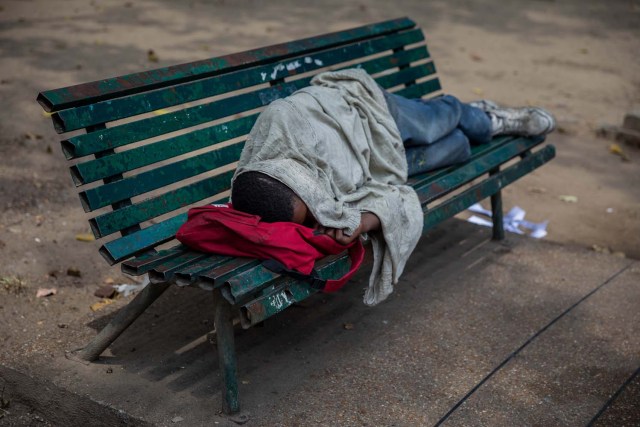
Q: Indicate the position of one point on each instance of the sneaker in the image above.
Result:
(526, 121)
(484, 105)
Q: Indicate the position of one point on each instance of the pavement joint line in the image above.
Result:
(527, 342)
(613, 397)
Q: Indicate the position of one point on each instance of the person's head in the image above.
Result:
(259, 194)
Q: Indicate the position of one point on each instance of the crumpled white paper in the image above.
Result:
(128, 289)
(513, 221)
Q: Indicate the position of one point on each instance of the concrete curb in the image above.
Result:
(59, 406)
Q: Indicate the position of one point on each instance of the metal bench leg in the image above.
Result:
(118, 324)
(223, 321)
(496, 212)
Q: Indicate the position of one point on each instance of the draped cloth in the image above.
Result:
(337, 147)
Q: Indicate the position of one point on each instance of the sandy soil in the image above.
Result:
(576, 58)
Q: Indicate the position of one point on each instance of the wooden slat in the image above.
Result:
(189, 275)
(124, 247)
(473, 169)
(95, 142)
(134, 214)
(164, 272)
(421, 180)
(148, 261)
(124, 161)
(137, 242)
(111, 193)
(406, 75)
(84, 94)
(118, 136)
(107, 111)
(108, 194)
(487, 187)
(96, 169)
(421, 89)
(287, 291)
(216, 276)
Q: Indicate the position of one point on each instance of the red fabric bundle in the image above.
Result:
(220, 229)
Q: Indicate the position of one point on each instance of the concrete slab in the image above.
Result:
(463, 306)
(567, 374)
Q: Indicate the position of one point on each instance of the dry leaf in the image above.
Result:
(568, 199)
(617, 150)
(101, 304)
(45, 292)
(478, 91)
(151, 56)
(348, 326)
(539, 190)
(85, 237)
(161, 112)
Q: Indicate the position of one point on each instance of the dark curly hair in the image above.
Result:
(259, 194)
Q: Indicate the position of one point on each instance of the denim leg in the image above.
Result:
(475, 123)
(426, 121)
(453, 148)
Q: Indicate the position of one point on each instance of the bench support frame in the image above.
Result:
(127, 315)
(496, 211)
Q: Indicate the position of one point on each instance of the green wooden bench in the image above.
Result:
(159, 141)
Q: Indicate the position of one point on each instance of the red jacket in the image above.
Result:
(220, 229)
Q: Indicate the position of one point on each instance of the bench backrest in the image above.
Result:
(174, 134)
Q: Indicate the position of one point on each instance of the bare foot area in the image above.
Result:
(577, 59)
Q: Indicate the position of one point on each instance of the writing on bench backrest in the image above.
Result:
(160, 141)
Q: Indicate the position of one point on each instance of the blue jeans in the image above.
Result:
(437, 132)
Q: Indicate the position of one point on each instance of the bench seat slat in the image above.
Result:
(145, 262)
(488, 187)
(164, 272)
(84, 94)
(107, 111)
(189, 275)
(474, 169)
(250, 282)
(127, 216)
(420, 180)
(289, 291)
(215, 277)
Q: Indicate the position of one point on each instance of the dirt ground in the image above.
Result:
(577, 58)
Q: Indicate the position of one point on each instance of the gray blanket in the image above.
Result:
(337, 147)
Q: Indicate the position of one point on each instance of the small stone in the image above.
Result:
(176, 419)
(348, 326)
(109, 370)
(105, 292)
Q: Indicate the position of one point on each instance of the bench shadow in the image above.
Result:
(172, 342)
